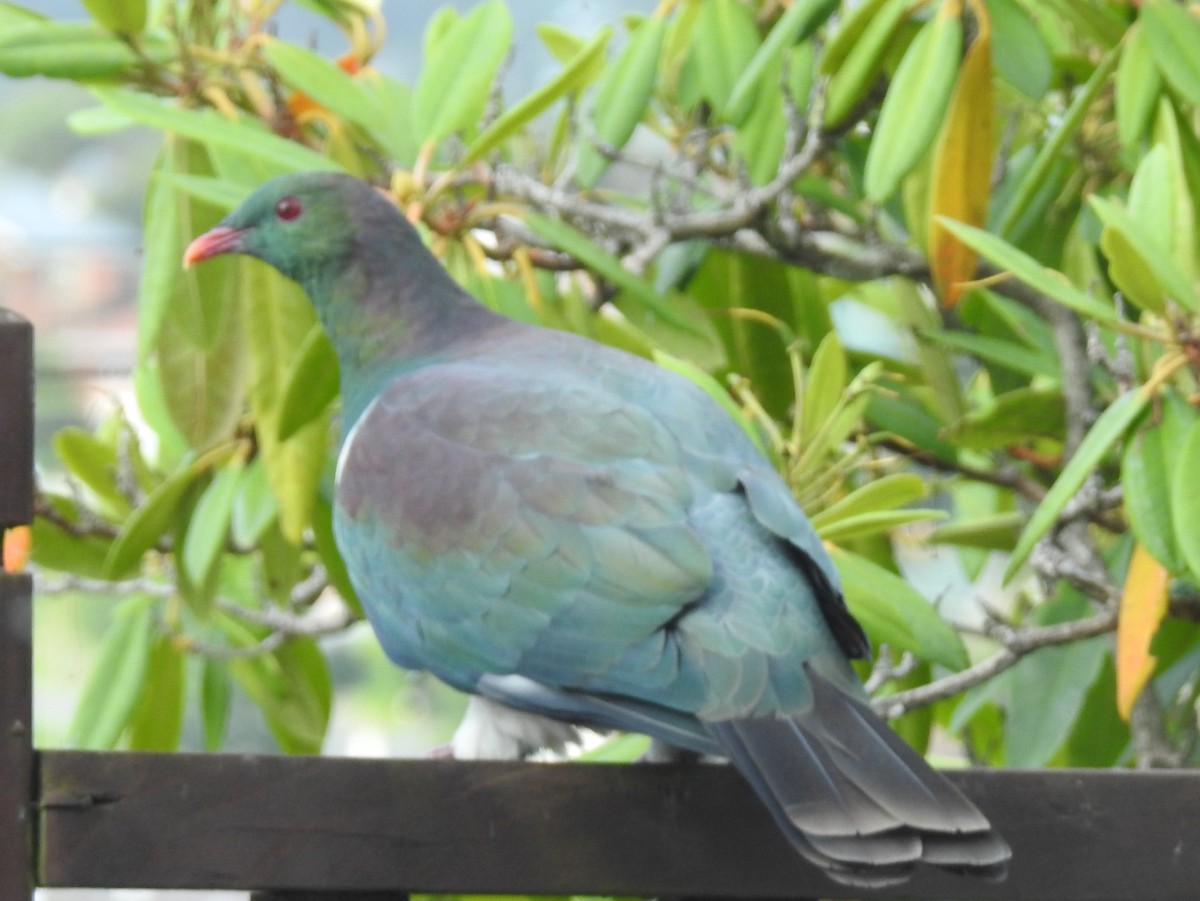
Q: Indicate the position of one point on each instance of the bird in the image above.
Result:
(572, 534)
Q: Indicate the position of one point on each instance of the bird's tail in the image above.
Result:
(854, 798)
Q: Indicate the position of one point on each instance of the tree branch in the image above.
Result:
(1016, 643)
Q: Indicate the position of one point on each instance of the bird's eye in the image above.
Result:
(288, 209)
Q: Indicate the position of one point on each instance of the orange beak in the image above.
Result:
(221, 239)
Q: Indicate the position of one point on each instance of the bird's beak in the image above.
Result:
(222, 239)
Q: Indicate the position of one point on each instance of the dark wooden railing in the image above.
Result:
(323, 829)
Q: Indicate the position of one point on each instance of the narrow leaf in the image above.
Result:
(1173, 34)
(886, 493)
(208, 127)
(148, 523)
(1143, 607)
(325, 82)
(460, 65)
(1030, 271)
(915, 103)
(1156, 258)
(877, 522)
(825, 385)
(853, 56)
(1185, 506)
(115, 682)
(72, 50)
(962, 168)
(892, 611)
(208, 528)
(1137, 88)
(620, 99)
(1051, 152)
(1106, 431)
(798, 21)
(310, 385)
(574, 75)
(156, 723)
(121, 16)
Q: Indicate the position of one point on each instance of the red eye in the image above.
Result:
(288, 209)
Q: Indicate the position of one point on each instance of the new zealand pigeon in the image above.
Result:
(567, 530)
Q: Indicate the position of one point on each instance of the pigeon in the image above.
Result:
(574, 534)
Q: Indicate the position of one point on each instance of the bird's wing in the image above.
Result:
(501, 524)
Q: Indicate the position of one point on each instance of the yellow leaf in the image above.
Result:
(1143, 606)
(962, 165)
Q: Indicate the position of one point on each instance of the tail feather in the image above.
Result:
(854, 798)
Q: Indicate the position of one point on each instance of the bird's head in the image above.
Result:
(301, 224)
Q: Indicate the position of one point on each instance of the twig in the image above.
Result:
(1016, 644)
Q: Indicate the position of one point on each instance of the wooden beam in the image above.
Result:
(16, 740)
(16, 420)
(276, 823)
(16, 621)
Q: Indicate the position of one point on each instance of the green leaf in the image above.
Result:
(1174, 36)
(115, 682)
(892, 612)
(1015, 417)
(886, 493)
(156, 723)
(1049, 688)
(393, 129)
(460, 65)
(277, 324)
(1159, 261)
(325, 82)
(1052, 151)
(94, 463)
(798, 21)
(72, 50)
(727, 284)
(1138, 87)
(331, 556)
(121, 16)
(55, 548)
(620, 100)
(876, 522)
(915, 104)
(12, 15)
(245, 135)
(723, 43)
(905, 417)
(1106, 431)
(853, 56)
(1030, 271)
(214, 702)
(760, 139)
(571, 241)
(1185, 508)
(1146, 476)
(148, 523)
(203, 387)
(573, 77)
(825, 385)
(1022, 58)
(254, 506)
(997, 532)
(212, 190)
(291, 687)
(208, 529)
(311, 383)
(1009, 354)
